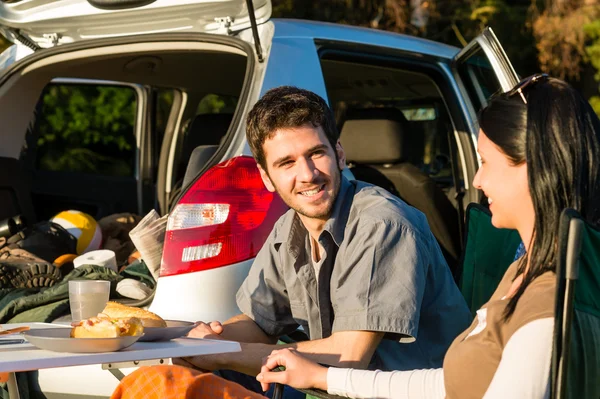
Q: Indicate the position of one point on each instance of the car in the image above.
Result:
(164, 87)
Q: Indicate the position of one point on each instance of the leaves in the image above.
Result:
(592, 50)
(86, 128)
(561, 40)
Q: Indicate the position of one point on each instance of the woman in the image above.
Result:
(540, 152)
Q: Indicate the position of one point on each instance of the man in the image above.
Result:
(354, 266)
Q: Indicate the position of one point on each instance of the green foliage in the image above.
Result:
(459, 22)
(451, 22)
(214, 104)
(595, 103)
(87, 129)
(592, 31)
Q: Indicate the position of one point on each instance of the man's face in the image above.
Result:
(304, 170)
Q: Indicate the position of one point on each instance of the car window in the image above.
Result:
(217, 104)
(209, 125)
(479, 78)
(84, 128)
(363, 88)
(431, 122)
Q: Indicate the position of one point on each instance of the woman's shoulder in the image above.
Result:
(537, 301)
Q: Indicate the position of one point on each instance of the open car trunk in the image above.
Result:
(46, 23)
(189, 66)
(192, 67)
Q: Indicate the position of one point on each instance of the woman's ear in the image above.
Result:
(340, 155)
(266, 179)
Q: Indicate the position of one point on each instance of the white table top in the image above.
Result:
(25, 357)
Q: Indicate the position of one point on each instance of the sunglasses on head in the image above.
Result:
(527, 82)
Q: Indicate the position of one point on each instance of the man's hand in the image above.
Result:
(211, 331)
(299, 372)
(202, 330)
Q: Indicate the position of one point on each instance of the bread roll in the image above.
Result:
(103, 326)
(149, 319)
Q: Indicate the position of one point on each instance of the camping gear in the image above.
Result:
(115, 234)
(576, 351)
(100, 257)
(46, 240)
(83, 227)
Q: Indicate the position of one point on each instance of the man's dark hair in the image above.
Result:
(287, 107)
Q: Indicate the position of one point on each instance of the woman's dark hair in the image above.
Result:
(557, 134)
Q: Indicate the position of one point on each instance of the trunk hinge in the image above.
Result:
(254, 26)
(224, 25)
(53, 38)
(21, 38)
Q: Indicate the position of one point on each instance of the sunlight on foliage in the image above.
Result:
(595, 103)
(87, 129)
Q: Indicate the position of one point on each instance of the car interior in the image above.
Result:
(393, 122)
(395, 131)
(186, 67)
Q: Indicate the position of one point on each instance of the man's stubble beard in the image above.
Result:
(325, 213)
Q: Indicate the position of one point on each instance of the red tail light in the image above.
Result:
(224, 218)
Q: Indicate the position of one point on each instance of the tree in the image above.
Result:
(567, 36)
(592, 31)
(88, 129)
(454, 22)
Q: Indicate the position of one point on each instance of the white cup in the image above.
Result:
(88, 298)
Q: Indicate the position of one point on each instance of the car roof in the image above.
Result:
(292, 28)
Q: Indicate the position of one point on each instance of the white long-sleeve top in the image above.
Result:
(523, 372)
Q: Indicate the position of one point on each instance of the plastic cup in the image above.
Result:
(88, 298)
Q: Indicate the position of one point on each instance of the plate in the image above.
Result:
(59, 340)
(174, 329)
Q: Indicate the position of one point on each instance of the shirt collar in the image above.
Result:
(294, 232)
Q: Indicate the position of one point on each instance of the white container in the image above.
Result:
(99, 257)
(88, 298)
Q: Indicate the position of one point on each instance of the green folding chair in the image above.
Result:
(576, 347)
(488, 253)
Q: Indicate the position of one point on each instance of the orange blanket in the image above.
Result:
(166, 382)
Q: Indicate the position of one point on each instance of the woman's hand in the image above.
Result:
(299, 372)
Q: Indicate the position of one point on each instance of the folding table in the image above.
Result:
(26, 357)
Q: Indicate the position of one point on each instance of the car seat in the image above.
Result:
(379, 147)
(15, 191)
(200, 143)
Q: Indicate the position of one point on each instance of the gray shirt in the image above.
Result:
(382, 271)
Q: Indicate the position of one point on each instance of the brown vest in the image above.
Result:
(474, 356)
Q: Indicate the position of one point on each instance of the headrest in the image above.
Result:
(206, 129)
(374, 136)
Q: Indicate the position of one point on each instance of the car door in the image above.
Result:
(483, 69)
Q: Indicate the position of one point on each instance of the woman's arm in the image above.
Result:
(413, 384)
(302, 373)
(524, 370)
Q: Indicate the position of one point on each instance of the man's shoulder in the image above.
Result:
(374, 205)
